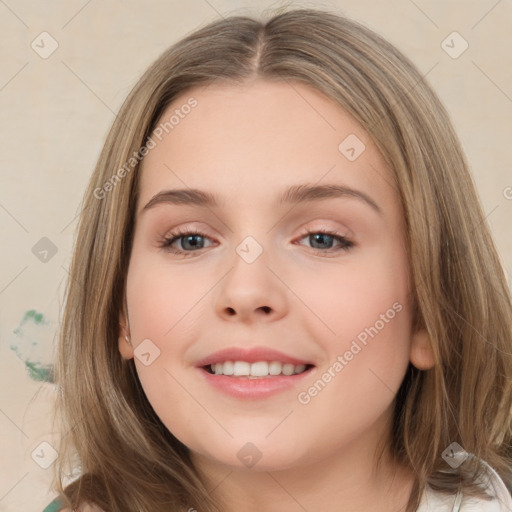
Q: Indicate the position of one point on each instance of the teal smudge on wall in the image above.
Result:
(27, 346)
(40, 372)
(33, 315)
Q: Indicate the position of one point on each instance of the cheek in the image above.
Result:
(365, 318)
(165, 306)
(348, 299)
(172, 399)
(161, 299)
(366, 359)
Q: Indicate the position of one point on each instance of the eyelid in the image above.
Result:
(322, 225)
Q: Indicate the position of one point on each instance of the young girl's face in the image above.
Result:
(256, 282)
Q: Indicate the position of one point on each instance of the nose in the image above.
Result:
(251, 292)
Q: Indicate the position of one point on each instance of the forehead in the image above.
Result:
(250, 142)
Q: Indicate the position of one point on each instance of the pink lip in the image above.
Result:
(251, 355)
(253, 389)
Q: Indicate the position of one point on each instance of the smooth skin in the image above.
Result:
(304, 296)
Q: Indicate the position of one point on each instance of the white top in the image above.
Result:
(434, 501)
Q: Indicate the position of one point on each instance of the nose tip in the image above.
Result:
(250, 292)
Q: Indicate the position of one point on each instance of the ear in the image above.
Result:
(422, 354)
(125, 347)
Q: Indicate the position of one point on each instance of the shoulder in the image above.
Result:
(57, 506)
(499, 499)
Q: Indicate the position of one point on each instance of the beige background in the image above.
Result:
(55, 113)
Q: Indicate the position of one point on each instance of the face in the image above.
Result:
(296, 298)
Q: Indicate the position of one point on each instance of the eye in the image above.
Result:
(190, 241)
(321, 237)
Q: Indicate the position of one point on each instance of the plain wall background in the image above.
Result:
(55, 114)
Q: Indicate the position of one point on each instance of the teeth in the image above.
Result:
(275, 367)
(240, 368)
(259, 369)
(299, 368)
(227, 368)
(288, 369)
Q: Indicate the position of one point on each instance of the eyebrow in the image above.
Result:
(293, 195)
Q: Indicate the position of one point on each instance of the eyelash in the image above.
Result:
(167, 241)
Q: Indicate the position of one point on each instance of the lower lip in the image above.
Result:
(253, 389)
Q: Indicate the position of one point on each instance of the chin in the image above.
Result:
(257, 455)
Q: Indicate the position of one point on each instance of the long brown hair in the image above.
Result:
(129, 460)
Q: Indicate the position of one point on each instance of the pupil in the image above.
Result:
(321, 236)
(191, 237)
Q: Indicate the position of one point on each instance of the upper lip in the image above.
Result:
(251, 355)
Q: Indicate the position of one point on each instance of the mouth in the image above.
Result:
(253, 373)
